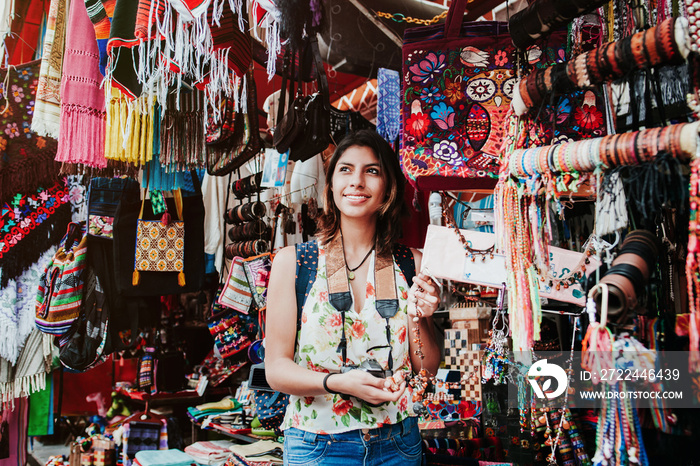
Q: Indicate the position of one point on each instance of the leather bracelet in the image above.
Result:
(676, 140)
(630, 272)
(604, 65)
(668, 40)
(325, 385)
(637, 47)
(612, 59)
(592, 66)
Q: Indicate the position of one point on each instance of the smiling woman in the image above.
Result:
(345, 358)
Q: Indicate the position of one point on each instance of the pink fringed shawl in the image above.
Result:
(83, 117)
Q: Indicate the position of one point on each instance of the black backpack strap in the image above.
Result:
(307, 265)
(406, 262)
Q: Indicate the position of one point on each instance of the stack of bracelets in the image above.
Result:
(609, 151)
(250, 230)
(246, 186)
(668, 42)
(247, 248)
(543, 16)
(245, 212)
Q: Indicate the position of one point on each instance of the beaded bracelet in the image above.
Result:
(568, 156)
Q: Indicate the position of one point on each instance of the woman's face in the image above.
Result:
(358, 183)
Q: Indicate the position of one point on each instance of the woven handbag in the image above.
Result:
(160, 244)
(457, 84)
(60, 293)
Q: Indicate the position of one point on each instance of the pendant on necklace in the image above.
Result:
(351, 275)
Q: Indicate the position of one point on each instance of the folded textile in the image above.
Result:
(171, 457)
(227, 403)
(83, 117)
(47, 108)
(256, 451)
(209, 453)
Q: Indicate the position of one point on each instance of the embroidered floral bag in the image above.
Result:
(456, 89)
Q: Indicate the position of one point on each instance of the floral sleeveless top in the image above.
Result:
(318, 341)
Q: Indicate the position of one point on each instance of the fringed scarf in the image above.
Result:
(122, 50)
(29, 375)
(26, 159)
(7, 14)
(266, 16)
(83, 116)
(182, 141)
(17, 308)
(48, 96)
(29, 225)
(130, 126)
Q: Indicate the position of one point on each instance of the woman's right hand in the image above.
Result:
(366, 387)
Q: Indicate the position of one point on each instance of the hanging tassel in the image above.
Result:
(181, 278)
(135, 278)
(611, 209)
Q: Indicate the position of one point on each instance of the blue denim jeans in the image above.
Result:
(396, 444)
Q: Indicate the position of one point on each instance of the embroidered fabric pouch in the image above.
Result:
(257, 271)
(229, 333)
(236, 293)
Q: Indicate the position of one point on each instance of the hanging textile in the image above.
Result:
(47, 108)
(26, 159)
(17, 308)
(29, 375)
(83, 117)
(122, 53)
(29, 225)
(100, 13)
(388, 104)
(7, 14)
(13, 447)
(40, 421)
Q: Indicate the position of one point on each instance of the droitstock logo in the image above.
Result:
(546, 372)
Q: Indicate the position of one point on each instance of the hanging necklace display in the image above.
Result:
(470, 252)
(495, 358)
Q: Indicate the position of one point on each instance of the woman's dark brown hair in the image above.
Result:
(392, 211)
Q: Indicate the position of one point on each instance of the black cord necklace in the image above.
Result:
(351, 272)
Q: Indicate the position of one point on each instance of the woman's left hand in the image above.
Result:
(424, 296)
